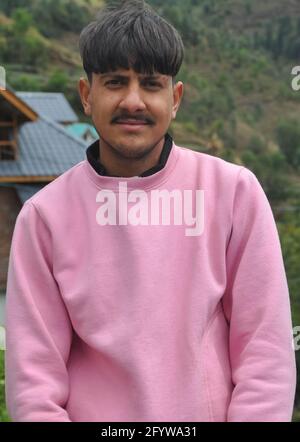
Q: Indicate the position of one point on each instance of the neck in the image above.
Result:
(118, 165)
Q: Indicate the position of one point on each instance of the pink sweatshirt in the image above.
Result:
(123, 309)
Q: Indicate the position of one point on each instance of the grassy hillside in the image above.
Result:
(236, 71)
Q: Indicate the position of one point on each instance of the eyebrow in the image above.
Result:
(124, 77)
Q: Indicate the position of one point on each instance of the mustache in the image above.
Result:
(142, 118)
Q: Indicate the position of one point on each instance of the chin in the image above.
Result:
(133, 152)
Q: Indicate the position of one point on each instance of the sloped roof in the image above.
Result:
(79, 129)
(52, 105)
(45, 149)
(10, 102)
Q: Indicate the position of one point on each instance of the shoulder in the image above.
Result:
(58, 188)
(212, 166)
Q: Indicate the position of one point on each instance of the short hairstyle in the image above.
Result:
(130, 34)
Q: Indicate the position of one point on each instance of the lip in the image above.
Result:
(132, 127)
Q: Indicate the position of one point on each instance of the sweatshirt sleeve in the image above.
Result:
(38, 328)
(257, 307)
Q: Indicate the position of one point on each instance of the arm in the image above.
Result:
(38, 329)
(257, 307)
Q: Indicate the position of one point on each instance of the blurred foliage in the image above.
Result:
(289, 231)
(288, 134)
(270, 168)
(4, 417)
(57, 82)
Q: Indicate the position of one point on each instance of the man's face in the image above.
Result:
(146, 103)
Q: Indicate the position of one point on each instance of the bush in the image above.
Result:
(288, 135)
(57, 82)
(290, 241)
(271, 171)
(4, 417)
(26, 83)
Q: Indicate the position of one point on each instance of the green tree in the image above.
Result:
(3, 46)
(7, 6)
(26, 83)
(53, 17)
(256, 145)
(271, 169)
(268, 41)
(4, 417)
(289, 231)
(22, 21)
(284, 29)
(288, 135)
(35, 52)
(58, 81)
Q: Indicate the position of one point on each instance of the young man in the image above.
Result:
(147, 282)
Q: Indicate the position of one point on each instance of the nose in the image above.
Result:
(132, 100)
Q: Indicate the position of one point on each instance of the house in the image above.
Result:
(55, 107)
(35, 148)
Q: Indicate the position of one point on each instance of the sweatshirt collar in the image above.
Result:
(93, 151)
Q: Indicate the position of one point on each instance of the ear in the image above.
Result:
(177, 96)
(84, 92)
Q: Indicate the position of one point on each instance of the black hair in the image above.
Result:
(130, 34)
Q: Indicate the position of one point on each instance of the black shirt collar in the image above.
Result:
(93, 152)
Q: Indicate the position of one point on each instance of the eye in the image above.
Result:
(113, 82)
(152, 84)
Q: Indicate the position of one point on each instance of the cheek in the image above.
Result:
(164, 113)
(104, 106)
(101, 113)
(164, 107)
